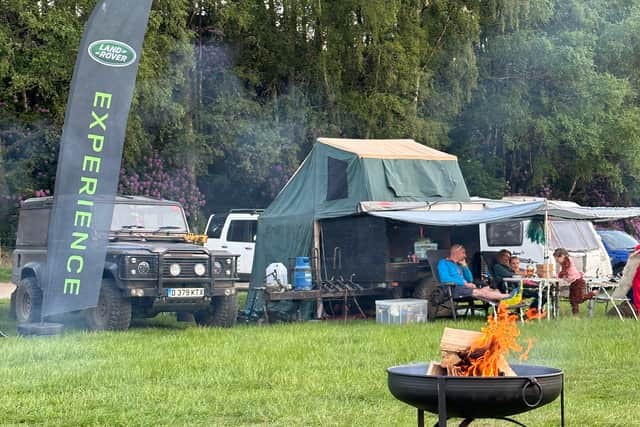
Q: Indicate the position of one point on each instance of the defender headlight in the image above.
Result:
(138, 267)
(217, 267)
(199, 269)
(174, 269)
(144, 267)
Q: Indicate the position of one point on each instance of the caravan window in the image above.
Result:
(504, 233)
(573, 235)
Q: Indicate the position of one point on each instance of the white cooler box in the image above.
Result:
(401, 311)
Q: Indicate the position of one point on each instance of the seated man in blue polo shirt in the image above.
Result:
(453, 269)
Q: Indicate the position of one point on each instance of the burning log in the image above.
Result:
(470, 353)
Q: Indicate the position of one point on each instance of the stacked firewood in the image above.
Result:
(466, 353)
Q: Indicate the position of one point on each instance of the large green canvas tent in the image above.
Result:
(335, 177)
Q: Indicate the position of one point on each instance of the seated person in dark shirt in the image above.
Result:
(453, 269)
(502, 269)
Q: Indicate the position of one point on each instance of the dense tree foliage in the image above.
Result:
(534, 96)
(553, 113)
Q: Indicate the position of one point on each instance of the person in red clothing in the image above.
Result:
(577, 285)
(635, 288)
(629, 285)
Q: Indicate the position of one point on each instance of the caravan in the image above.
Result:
(578, 237)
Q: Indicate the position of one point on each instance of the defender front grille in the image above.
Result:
(187, 266)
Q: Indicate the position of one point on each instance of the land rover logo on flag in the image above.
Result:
(112, 53)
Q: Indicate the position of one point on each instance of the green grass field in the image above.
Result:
(302, 374)
(5, 273)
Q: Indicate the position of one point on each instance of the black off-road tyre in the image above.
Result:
(28, 301)
(113, 312)
(223, 312)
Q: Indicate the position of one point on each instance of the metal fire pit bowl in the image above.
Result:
(476, 397)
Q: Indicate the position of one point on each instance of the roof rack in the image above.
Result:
(247, 210)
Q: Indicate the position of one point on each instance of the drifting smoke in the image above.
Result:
(256, 144)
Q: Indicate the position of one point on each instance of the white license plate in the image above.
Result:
(185, 292)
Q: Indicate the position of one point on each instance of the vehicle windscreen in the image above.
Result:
(618, 239)
(573, 235)
(215, 228)
(131, 217)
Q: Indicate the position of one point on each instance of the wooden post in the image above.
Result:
(315, 251)
(315, 260)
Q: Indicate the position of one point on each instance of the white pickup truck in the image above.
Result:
(236, 233)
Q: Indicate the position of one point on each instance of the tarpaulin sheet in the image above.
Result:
(506, 213)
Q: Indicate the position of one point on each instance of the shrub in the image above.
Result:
(156, 178)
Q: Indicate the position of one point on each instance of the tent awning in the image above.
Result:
(506, 213)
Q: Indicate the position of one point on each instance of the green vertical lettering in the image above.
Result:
(89, 186)
(75, 258)
(99, 120)
(71, 286)
(102, 97)
(97, 142)
(80, 237)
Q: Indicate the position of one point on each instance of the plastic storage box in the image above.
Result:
(401, 311)
(420, 248)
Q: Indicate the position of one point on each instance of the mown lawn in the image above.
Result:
(302, 374)
(5, 273)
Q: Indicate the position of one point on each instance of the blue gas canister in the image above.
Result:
(302, 274)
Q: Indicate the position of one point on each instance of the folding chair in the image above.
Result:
(487, 261)
(606, 296)
(515, 303)
(442, 295)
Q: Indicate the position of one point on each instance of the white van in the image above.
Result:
(578, 237)
(235, 232)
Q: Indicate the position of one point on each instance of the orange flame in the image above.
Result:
(533, 314)
(487, 356)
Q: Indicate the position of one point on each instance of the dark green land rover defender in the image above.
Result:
(152, 265)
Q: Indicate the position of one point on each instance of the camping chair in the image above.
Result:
(515, 303)
(487, 261)
(442, 295)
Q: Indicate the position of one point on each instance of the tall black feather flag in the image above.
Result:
(91, 152)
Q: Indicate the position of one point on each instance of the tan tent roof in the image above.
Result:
(387, 149)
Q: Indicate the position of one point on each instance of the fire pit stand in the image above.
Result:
(442, 404)
(471, 398)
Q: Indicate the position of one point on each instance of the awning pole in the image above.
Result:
(546, 231)
(546, 252)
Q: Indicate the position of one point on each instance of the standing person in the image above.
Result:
(454, 269)
(577, 285)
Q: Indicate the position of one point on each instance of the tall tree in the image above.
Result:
(546, 116)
